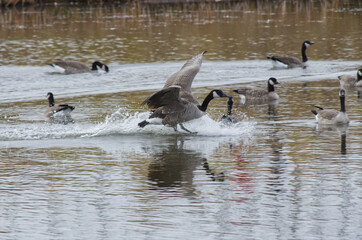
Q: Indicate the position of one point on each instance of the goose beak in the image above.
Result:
(236, 91)
(204, 52)
(311, 43)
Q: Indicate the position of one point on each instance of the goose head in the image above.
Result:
(359, 74)
(342, 93)
(308, 43)
(216, 93)
(272, 81)
(100, 65)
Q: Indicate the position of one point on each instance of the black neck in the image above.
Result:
(230, 105)
(270, 87)
(206, 101)
(359, 77)
(95, 64)
(343, 106)
(304, 55)
(51, 101)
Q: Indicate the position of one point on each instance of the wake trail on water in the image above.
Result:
(121, 122)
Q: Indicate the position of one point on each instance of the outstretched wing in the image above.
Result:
(185, 76)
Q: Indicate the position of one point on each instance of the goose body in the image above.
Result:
(58, 113)
(256, 94)
(331, 116)
(70, 67)
(171, 109)
(292, 62)
(351, 81)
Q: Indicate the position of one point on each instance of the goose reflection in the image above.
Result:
(175, 166)
(340, 129)
(256, 107)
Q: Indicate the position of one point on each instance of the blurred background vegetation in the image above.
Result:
(12, 3)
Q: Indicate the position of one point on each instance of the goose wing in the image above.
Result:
(72, 66)
(61, 107)
(328, 114)
(168, 99)
(347, 79)
(185, 76)
(252, 92)
(58, 108)
(286, 60)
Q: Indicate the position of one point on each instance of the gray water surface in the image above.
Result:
(274, 175)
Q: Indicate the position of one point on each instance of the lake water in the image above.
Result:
(274, 175)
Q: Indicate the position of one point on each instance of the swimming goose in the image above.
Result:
(185, 76)
(256, 94)
(58, 113)
(70, 67)
(292, 62)
(351, 81)
(170, 109)
(324, 116)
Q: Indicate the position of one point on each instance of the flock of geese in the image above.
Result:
(174, 104)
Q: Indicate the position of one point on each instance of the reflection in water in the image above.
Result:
(332, 129)
(174, 166)
(257, 108)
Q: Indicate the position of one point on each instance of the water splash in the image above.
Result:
(120, 122)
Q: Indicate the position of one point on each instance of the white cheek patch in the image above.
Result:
(215, 95)
(242, 99)
(360, 72)
(271, 82)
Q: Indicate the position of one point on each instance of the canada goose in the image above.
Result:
(256, 94)
(229, 118)
(332, 116)
(292, 62)
(70, 67)
(170, 109)
(351, 81)
(58, 113)
(185, 76)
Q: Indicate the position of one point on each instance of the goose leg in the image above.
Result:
(143, 124)
(185, 129)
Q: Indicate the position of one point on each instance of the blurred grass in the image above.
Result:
(12, 3)
(9, 3)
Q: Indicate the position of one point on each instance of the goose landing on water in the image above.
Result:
(351, 81)
(172, 110)
(70, 67)
(58, 113)
(292, 62)
(324, 116)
